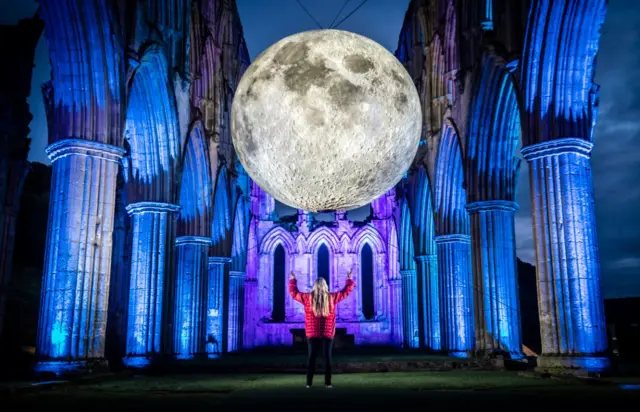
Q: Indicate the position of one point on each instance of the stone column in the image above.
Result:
(395, 285)
(456, 293)
(236, 310)
(14, 173)
(190, 297)
(150, 322)
(215, 306)
(75, 285)
(496, 302)
(567, 263)
(410, 308)
(427, 266)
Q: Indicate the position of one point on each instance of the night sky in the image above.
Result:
(616, 156)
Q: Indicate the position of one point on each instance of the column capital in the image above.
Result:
(152, 207)
(219, 260)
(194, 240)
(492, 205)
(423, 258)
(237, 274)
(557, 147)
(407, 272)
(453, 238)
(81, 147)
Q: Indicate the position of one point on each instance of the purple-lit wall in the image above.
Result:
(301, 241)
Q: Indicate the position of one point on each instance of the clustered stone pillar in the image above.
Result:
(395, 308)
(497, 306)
(236, 310)
(150, 291)
(14, 173)
(571, 309)
(427, 268)
(75, 286)
(410, 308)
(190, 297)
(215, 305)
(456, 293)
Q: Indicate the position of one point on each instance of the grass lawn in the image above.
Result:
(286, 391)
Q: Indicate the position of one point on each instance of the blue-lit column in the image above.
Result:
(456, 293)
(215, 305)
(567, 263)
(149, 321)
(496, 303)
(75, 285)
(191, 296)
(427, 266)
(236, 310)
(410, 308)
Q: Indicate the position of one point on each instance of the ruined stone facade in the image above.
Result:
(493, 73)
(159, 244)
(372, 314)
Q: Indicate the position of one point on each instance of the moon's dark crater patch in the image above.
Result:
(357, 63)
(301, 75)
(344, 93)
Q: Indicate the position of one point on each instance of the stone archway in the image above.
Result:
(152, 131)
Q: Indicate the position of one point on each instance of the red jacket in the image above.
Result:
(319, 326)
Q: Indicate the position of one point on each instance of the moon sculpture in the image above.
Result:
(326, 120)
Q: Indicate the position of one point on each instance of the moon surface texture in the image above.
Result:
(326, 120)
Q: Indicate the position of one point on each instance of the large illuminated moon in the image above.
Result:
(326, 120)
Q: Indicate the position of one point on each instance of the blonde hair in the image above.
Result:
(320, 298)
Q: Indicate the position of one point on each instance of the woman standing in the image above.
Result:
(320, 321)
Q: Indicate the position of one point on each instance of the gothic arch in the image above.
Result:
(87, 97)
(407, 253)
(420, 203)
(493, 133)
(152, 131)
(368, 234)
(276, 236)
(240, 235)
(326, 235)
(450, 195)
(196, 187)
(557, 69)
(221, 224)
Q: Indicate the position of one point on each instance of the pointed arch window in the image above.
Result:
(279, 279)
(366, 278)
(323, 263)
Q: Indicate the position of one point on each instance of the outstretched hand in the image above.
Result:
(292, 275)
(350, 274)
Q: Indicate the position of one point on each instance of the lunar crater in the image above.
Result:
(326, 120)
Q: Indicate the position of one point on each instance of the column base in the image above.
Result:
(573, 364)
(65, 368)
(459, 354)
(139, 362)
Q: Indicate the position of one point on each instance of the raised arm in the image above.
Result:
(348, 288)
(293, 289)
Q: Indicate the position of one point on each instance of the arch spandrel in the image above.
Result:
(152, 131)
(320, 235)
(367, 234)
(493, 131)
(450, 198)
(557, 69)
(96, 93)
(278, 236)
(196, 187)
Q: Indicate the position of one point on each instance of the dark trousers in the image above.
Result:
(315, 344)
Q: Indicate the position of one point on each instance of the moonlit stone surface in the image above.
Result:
(326, 120)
